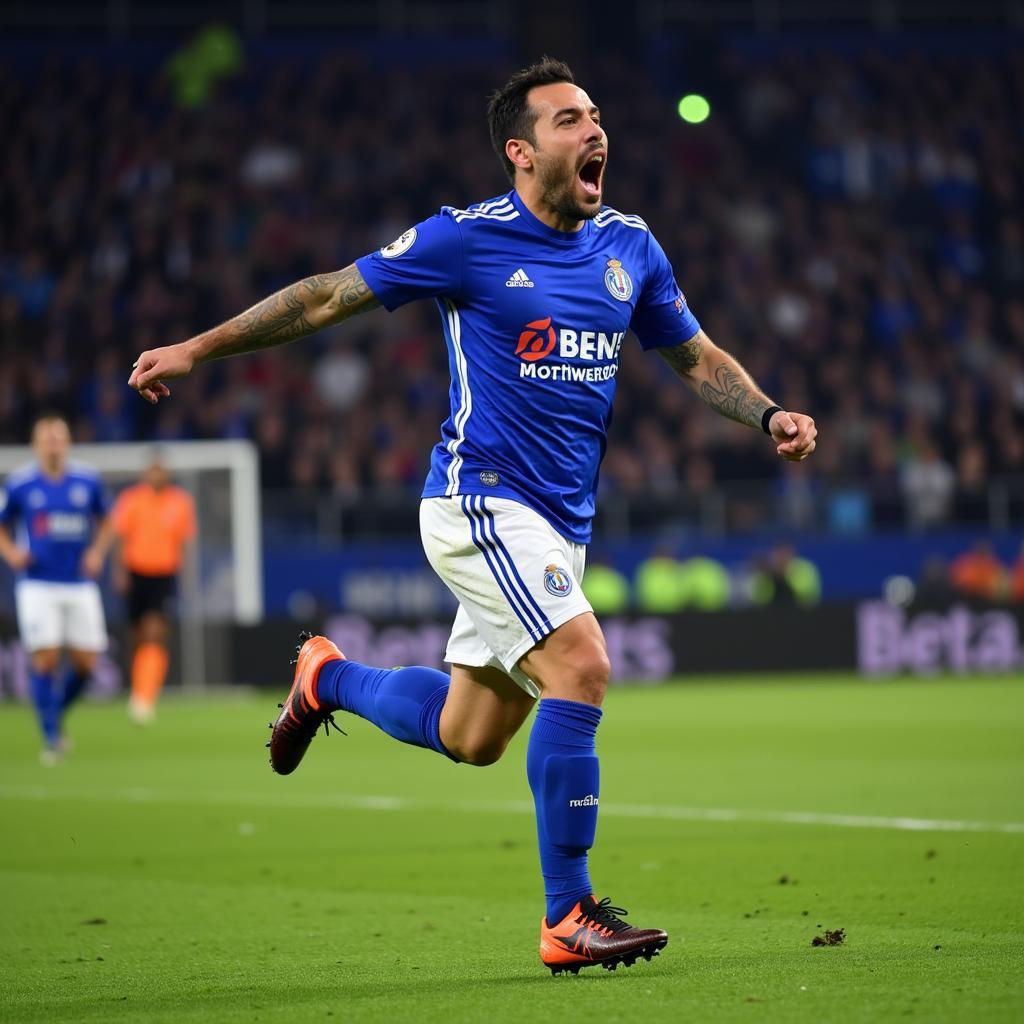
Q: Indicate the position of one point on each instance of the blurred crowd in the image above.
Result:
(977, 574)
(851, 229)
(664, 584)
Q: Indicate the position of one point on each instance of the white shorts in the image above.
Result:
(60, 615)
(515, 577)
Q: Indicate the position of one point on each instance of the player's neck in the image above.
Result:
(51, 470)
(547, 215)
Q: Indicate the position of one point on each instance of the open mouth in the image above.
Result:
(591, 173)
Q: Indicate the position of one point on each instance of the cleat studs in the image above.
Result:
(280, 705)
(267, 744)
(305, 635)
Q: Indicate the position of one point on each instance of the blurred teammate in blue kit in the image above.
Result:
(61, 512)
(536, 290)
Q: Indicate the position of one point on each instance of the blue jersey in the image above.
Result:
(55, 517)
(534, 320)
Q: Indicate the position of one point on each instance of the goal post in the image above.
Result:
(222, 581)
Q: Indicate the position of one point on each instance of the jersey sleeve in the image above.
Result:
(423, 263)
(662, 317)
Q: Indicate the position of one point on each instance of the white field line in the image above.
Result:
(145, 795)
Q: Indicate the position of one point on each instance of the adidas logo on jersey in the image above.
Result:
(519, 280)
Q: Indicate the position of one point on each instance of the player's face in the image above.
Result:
(571, 151)
(157, 476)
(51, 440)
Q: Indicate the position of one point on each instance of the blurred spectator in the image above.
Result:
(705, 584)
(1017, 577)
(213, 53)
(978, 573)
(606, 588)
(927, 482)
(784, 578)
(658, 584)
(934, 590)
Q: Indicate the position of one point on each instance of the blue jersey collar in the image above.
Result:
(563, 237)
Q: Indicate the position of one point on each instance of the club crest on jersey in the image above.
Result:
(557, 582)
(79, 495)
(402, 244)
(618, 282)
(536, 340)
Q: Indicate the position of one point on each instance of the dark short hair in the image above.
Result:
(509, 115)
(45, 415)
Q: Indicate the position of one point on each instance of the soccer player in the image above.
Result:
(155, 521)
(65, 533)
(536, 290)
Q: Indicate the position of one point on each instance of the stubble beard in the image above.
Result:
(558, 187)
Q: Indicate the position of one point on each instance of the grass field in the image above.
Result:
(167, 875)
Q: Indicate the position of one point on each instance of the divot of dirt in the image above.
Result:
(94, 920)
(830, 938)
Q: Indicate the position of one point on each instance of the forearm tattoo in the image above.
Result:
(732, 393)
(684, 358)
(284, 316)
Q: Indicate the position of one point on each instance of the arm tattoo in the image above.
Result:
(282, 317)
(285, 316)
(351, 292)
(733, 394)
(683, 358)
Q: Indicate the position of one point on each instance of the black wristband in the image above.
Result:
(766, 417)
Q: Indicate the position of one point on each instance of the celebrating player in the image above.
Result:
(154, 521)
(536, 290)
(58, 505)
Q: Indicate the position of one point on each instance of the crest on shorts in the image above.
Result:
(557, 581)
(403, 243)
(618, 282)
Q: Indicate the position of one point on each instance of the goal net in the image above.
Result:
(222, 581)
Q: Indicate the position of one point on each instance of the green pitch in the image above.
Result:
(167, 875)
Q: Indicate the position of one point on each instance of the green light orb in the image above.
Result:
(694, 109)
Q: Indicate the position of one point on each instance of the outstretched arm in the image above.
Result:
(292, 313)
(723, 383)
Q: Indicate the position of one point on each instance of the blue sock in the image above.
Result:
(47, 703)
(562, 766)
(71, 690)
(405, 702)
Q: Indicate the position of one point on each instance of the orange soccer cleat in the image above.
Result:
(593, 933)
(301, 713)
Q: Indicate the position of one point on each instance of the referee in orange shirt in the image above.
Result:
(155, 521)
